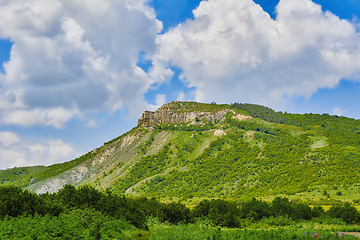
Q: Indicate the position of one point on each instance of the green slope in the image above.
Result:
(22, 176)
(254, 158)
(303, 155)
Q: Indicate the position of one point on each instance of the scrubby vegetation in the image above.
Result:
(87, 213)
(251, 158)
(262, 112)
(299, 155)
(23, 176)
(204, 180)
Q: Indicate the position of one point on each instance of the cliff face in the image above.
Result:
(184, 112)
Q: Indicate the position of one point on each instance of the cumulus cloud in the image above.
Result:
(56, 117)
(70, 58)
(233, 51)
(15, 152)
(74, 57)
(8, 138)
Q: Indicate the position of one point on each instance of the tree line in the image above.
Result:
(15, 202)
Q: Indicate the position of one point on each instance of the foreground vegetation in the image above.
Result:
(87, 213)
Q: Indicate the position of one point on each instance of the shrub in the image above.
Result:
(15, 201)
(301, 211)
(283, 207)
(175, 213)
(220, 212)
(317, 211)
(346, 212)
(255, 209)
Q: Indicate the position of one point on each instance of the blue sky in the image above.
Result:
(74, 75)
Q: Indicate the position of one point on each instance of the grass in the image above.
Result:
(326, 195)
(319, 141)
(204, 231)
(88, 224)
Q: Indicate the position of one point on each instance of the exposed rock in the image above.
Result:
(175, 112)
(127, 140)
(241, 117)
(52, 186)
(78, 174)
(55, 184)
(219, 132)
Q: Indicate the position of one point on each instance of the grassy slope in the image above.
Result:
(256, 158)
(22, 176)
(304, 158)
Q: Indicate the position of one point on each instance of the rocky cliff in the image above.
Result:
(185, 112)
(111, 162)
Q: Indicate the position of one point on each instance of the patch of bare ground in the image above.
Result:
(356, 234)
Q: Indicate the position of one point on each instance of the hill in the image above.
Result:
(189, 149)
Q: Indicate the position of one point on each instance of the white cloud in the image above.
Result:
(70, 58)
(181, 96)
(11, 158)
(56, 117)
(233, 51)
(160, 99)
(73, 57)
(8, 138)
(15, 152)
(337, 111)
(92, 123)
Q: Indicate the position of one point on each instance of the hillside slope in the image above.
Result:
(188, 149)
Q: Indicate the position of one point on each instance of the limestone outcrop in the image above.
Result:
(183, 112)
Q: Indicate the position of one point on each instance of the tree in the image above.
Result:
(346, 212)
(175, 213)
(255, 209)
(15, 201)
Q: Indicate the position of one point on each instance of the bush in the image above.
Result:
(283, 207)
(175, 213)
(301, 211)
(75, 224)
(82, 197)
(277, 221)
(345, 211)
(317, 211)
(220, 212)
(15, 201)
(87, 197)
(255, 209)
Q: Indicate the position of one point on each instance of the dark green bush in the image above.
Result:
(220, 212)
(255, 209)
(15, 201)
(317, 211)
(175, 213)
(345, 211)
(283, 207)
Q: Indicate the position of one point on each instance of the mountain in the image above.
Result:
(189, 149)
